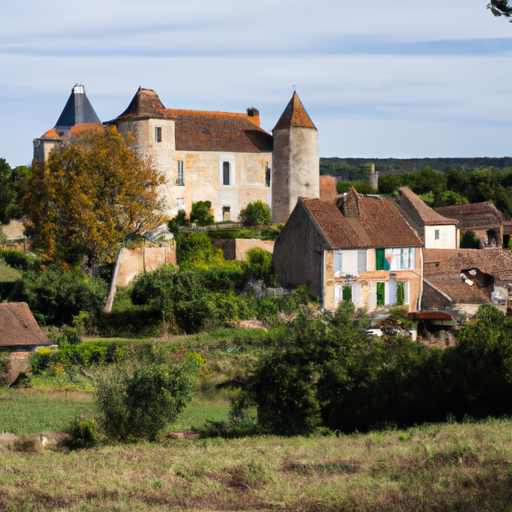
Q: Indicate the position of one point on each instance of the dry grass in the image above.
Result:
(434, 468)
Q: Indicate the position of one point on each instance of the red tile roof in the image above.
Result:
(202, 130)
(422, 213)
(294, 115)
(18, 327)
(378, 223)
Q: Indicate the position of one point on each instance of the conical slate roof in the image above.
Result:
(78, 110)
(294, 115)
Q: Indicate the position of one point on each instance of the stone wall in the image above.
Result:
(134, 262)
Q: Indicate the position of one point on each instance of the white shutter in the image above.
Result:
(391, 291)
(337, 263)
(361, 261)
(338, 293)
(356, 295)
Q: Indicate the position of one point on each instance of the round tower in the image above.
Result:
(295, 161)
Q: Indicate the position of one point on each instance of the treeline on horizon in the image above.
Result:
(351, 168)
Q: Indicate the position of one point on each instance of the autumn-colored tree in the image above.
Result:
(90, 195)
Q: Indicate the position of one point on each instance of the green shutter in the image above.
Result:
(380, 259)
(400, 294)
(347, 293)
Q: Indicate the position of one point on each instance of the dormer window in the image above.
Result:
(158, 134)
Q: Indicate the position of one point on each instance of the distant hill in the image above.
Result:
(355, 167)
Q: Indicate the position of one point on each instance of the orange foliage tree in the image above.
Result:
(92, 193)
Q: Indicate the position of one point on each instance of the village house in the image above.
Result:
(20, 336)
(434, 230)
(356, 248)
(484, 219)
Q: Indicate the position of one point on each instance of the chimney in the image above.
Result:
(254, 114)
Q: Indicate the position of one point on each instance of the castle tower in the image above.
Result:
(78, 115)
(295, 161)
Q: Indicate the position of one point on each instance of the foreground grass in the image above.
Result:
(433, 468)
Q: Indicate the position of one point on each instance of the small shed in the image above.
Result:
(20, 335)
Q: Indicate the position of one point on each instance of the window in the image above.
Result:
(436, 234)
(225, 173)
(158, 133)
(347, 293)
(179, 179)
(226, 213)
(267, 176)
(395, 259)
(350, 262)
(338, 262)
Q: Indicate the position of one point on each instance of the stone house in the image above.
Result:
(20, 335)
(434, 230)
(484, 219)
(356, 248)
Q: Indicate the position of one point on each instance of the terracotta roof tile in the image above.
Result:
(18, 326)
(202, 130)
(472, 215)
(419, 211)
(378, 223)
(294, 115)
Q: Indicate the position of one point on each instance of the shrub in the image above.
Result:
(19, 260)
(179, 220)
(80, 433)
(468, 240)
(138, 402)
(201, 213)
(256, 213)
(260, 265)
(363, 187)
(197, 248)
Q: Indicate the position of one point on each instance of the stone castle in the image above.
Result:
(222, 157)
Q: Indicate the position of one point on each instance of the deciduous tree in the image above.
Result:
(91, 194)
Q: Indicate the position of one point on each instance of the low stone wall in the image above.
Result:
(236, 249)
(134, 262)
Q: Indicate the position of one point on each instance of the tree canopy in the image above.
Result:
(11, 190)
(500, 8)
(92, 193)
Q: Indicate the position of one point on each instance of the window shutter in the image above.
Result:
(380, 259)
(361, 261)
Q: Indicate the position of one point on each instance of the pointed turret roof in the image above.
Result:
(295, 115)
(144, 104)
(78, 110)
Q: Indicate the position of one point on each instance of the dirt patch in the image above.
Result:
(33, 442)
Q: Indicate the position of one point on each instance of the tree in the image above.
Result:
(201, 213)
(256, 213)
(92, 193)
(11, 190)
(500, 8)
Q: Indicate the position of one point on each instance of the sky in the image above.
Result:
(399, 79)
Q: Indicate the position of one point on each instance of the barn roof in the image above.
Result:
(18, 327)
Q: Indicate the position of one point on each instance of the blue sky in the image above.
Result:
(379, 79)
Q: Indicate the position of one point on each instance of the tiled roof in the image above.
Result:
(461, 292)
(470, 215)
(202, 130)
(78, 110)
(446, 262)
(419, 211)
(219, 131)
(294, 115)
(18, 327)
(340, 232)
(80, 128)
(378, 224)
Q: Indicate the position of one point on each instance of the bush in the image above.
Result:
(363, 187)
(181, 219)
(138, 402)
(56, 296)
(80, 433)
(201, 213)
(197, 248)
(256, 213)
(260, 265)
(19, 260)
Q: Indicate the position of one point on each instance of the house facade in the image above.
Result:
(356, 248)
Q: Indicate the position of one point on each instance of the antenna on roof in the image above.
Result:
(293, 88)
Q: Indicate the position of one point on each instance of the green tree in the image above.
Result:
(201, 213)
(11, 190)
(500, 8)
(256, 213)
(92, 193)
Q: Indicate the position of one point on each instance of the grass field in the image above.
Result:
(466, 467)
